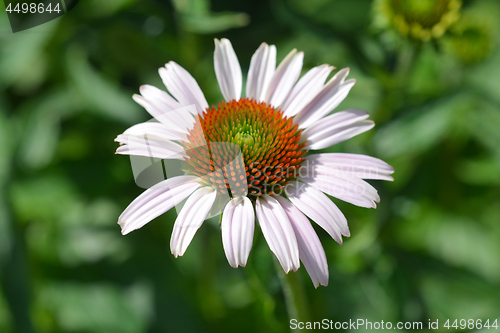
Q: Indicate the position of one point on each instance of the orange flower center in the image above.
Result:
(244, 148)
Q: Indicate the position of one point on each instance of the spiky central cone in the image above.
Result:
(244, 148)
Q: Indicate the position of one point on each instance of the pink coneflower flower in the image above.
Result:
(252, 156)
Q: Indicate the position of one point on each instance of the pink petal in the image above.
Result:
(155, 130)
(326, 100)
(237, 226)
(349, 189)
(353, 165)
(336, 128)
(183, 86)
(284, 78)
(311, 251)
(305, 90)
(227, 70)
(191, 218)
(319, 208)
(177, 120)
(278, 232)
(156, 201)
(261, 72)
(149, 147)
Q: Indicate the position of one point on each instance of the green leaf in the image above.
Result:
(41, 134)
(421, 129)
(215, 22)
(454, 239)
(5, 317)
(485, 77)
(192, 7)
(23, 60)
(45, 197)
(453, 297)
(483, 123)
(484, 171)
(340, 15)
(197, 17)
(97, 307)
(6, 150)
(98, 8)
(98, 93)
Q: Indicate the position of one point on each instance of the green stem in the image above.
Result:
(295, 298)
(267, 301)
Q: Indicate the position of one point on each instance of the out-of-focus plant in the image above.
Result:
(419, 19)
(430, 251)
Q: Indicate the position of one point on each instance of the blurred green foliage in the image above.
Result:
(430, 251)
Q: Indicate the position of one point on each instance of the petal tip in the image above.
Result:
(122, 225)
(170, 64)
(176, 253)
(351, 82)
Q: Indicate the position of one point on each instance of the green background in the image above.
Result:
(431, 250)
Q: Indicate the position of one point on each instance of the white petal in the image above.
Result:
(278, 232)
(155, 201)
(155, 130)
(179, 120)
(349, 189)
(326, 100)
(191, 218)
(305, 90)
(237, 226)
(353, 165)
(160, 98)
(261, 72)
(227, 70)
(168, 104)
(339, 119)
(284, 78)
(336, 128)
(183, 86)
(319, 208)
(311, 251)
(149, 147)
